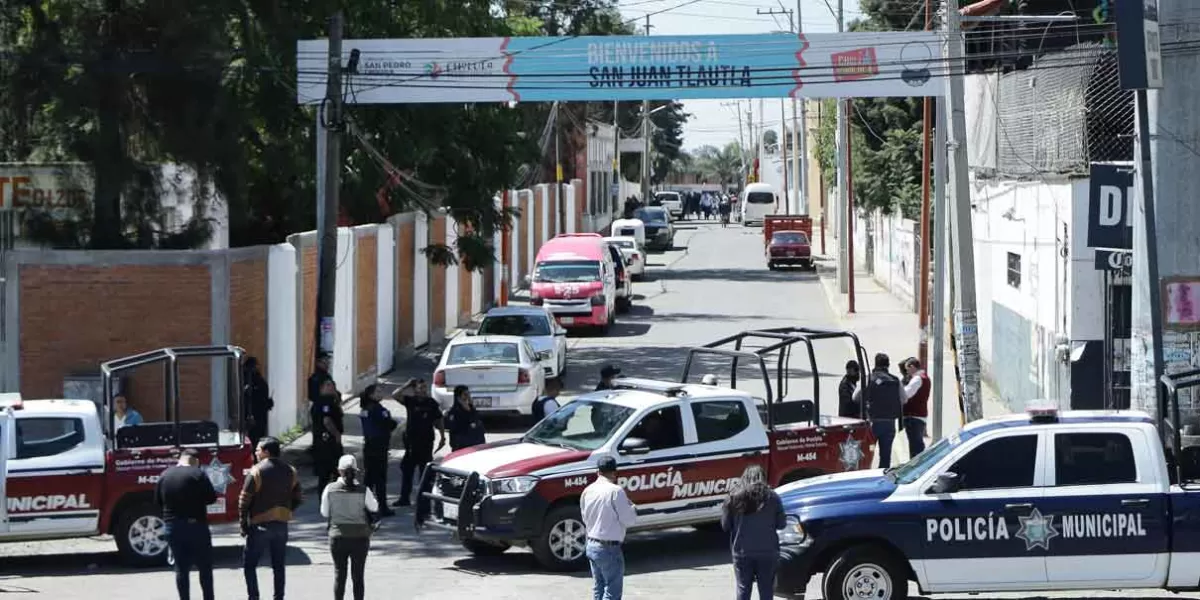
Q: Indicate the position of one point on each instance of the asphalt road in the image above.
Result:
(713, 285)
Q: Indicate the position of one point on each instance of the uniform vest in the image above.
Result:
(883, 396)
(348, 511)
(539, 408)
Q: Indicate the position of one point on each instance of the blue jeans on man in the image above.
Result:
(885, 434)
(608, 570)
(914, 429)
(271, 538)
(191, 544)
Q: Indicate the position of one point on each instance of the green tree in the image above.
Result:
(770, 138)
(723, 165)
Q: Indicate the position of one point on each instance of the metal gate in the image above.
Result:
(1118, 328)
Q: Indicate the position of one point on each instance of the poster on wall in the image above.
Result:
(1181, 303)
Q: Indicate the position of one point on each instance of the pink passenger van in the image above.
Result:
(575, 278)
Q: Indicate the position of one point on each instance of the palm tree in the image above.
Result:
(723, 165)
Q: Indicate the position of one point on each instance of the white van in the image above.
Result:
(758, 200)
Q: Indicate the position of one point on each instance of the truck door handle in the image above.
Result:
(1138, 502)
(1021, 506)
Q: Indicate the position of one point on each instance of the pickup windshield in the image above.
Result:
(567, 271)
(651, 216)
(579, 425)
(921, 463)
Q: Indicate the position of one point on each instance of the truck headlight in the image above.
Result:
(513, 485)
(793, 532)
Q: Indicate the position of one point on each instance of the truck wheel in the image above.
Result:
(482, 548)
(865, 572)
(560, 545)
(141, 536)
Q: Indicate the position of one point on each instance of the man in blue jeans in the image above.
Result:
(271, 493)
(885, 403)
(607, 513)
(183, 493)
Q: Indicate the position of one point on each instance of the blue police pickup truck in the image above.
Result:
(1028, 502)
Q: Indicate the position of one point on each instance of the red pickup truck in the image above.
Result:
(65, 474)
(787, 241)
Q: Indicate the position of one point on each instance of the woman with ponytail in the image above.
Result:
(753, 515)
(351, 510)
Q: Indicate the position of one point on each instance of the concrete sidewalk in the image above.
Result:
(884, 324)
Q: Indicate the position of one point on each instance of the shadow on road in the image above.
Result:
(644, 553)
(227, 556)
(752, 275)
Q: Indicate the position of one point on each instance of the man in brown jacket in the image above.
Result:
(271, 493)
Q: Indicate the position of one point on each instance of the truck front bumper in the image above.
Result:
(460, 502)
(794, 571)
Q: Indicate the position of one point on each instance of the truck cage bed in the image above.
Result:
(172, 432)
(781, 340)
(1183, 461)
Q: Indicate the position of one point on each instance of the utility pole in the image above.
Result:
(966, 319)
(558, 170)
(923, 298)
(616, 162)
(800, 131)
(741, 136)
(327, 232)
(783, 144)
(939, 279)
(849, 137)
(646, 135)
(844, 266)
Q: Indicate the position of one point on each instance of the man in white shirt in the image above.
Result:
(607, 513)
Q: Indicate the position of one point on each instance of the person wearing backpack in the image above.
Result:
(547, 403)
(351, 510)
(752, 515)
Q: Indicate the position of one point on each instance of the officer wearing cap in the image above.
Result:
(607, 374)
(377, 428)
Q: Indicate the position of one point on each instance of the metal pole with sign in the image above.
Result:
(1139, 59)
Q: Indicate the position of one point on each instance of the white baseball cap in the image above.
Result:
(347, 462)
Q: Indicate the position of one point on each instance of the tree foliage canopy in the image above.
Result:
(127, 85)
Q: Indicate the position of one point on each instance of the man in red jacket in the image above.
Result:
(916, 409)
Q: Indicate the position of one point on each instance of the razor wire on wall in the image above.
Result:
(1064, 112)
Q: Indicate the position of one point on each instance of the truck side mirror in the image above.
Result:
(946, 483)
(633, 446)
(527, 281)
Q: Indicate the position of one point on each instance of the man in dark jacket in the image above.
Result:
(607, 375)
(377, 427)
(256, 400)
(327, 418)
(463, 422)
(319, 376)
(183, 494)
(270, 495)
(885, 401)
(424, 417)
(847, 405)
(547, 403)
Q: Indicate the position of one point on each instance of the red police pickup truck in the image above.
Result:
(66, 476)
(680, 448)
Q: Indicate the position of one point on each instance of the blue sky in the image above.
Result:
(711, 122)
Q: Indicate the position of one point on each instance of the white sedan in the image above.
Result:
(538, 326)
(635, 257)
(503, 373)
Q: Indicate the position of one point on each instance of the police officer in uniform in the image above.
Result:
(424, 415)
(885, 404)
(546, 404)
(377, 427)
(327, 428)
(607, 375)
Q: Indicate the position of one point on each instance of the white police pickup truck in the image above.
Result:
(1027, 502)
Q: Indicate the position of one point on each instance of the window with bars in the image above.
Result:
(1014, 270)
